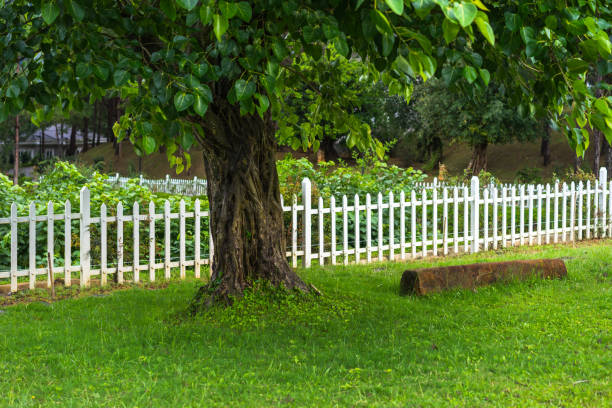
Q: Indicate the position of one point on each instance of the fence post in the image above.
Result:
(475, 204)
(306, 199)
(14, 267)
(603, 180)
(85, 243)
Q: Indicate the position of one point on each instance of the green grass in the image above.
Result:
(535, 343)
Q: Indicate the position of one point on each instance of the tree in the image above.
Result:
(477, 119)
(213, 73)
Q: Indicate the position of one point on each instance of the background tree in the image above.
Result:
(214, 72)
(477, 119)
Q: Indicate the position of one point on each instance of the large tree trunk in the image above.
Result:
(478, 162)
(244, 197)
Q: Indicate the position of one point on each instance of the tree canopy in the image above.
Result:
(169, 57)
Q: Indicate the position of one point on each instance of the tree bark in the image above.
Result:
(596, 141)
(85, 134)
(244, 197)
(478, 162)
(545, 146)
(608, 155)
(72, 147)
(16, 164)
(42, 143)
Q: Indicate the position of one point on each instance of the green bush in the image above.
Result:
(62, 183)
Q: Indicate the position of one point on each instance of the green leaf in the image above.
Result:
(188, 4)
(244, 89)
(423, 7)
(465, 13)
(450, 30)
(148, 144)
(206, 15)
(101, 72)
(381, 22)
(167, 6)
(200, 106)
(341, 45)
(602, 106)
(244, 11)
(264, 104)
(485, 75)
(470, 74)
(551, 22)
(83, 70)
(77, 11)
(486, 30)
(513, 21)
(228, 9)
(50, 11)
(528, 34)
(187, 140)
(120, 77)
(3, 112)
(183, 100)
(397, 6)
(220, 26)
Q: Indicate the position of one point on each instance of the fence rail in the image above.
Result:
(190, 187)
(430, 221)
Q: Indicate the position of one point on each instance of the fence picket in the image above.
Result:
(119, 243)
(357, 225)
(345, 229)
(67, 243)
(152, 241)
(379, 213)
(167, 255)
(368, 227)
(182, 239)
(403, 225)
(424, 222)
(50, 243)
(391, 228)
(197, 243)
(321, 232)
(456, 219)
(103, 246)
(136, 242)
(14, 266)
(332, 208)
(413, 210)
(434, 221)
(294, 231)
(32, 245)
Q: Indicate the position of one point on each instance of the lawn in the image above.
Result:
(536, 343)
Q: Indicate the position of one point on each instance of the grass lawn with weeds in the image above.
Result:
(533, 343)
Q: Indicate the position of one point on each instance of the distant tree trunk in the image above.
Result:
(16, 166)
(478, 162)
(596, 137)
(577, 163)
(85, 133)
(596, 134)
(72, 147)
(97, 122)
(42, 143)
(545, 146)
(62, 136)
(608, 156)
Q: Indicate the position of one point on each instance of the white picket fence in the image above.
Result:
(421, 223)
(189, 187)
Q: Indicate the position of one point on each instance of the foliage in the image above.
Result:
(370, 175)
(171, 60)
(446, 116)
(459, 348)
(529, 175)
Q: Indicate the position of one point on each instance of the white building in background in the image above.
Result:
(55, 142)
